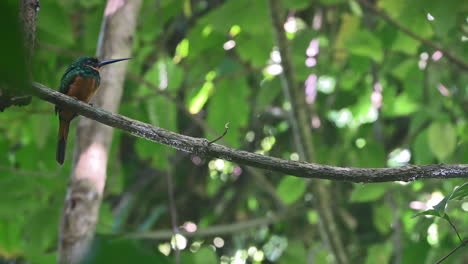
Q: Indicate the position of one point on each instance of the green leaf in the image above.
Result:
(269, 90)
(438, 210)
(11, 242)
(445, 15)
(228, 104)
(296, 4)
(104, 250)
(405, 44)
(460, 193)
(251, 16)
(201, 97)
(13, 71)
(349, 26)
(392, 7)
(404, 68)
(332, 2)
(422, 152)
(106, 219)
(290, 189)
(165, 75)
(205, 255)
(254, 48)
(401, 105)
(379, 253)
(295, 253)
(382, 218)
(369, 192)
(442, 139)
(182, 49)
(56, 27)
(364, 43)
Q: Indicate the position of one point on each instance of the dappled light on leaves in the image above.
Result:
(357, 84)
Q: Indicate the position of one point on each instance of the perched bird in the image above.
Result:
(80, 81)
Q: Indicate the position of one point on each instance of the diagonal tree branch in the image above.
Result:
(200, 146)
(456, 60)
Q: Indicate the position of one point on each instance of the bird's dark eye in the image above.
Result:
(93, 62)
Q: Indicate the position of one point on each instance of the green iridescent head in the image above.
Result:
(84, 67)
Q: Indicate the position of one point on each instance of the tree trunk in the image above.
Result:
(84, 196)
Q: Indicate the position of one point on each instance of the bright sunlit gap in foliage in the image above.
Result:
(437, 55)
(219, 164)
(294, 156)
(275, 247)
(255, 254)
(190, 227)
(430, 17)
(399, 157)
(433, 199)
(316, 122)
(290, 25)
(433, 235)
(178, 241)
(345, 118)
(313, 48)
(341, 118)
(360, 143)
(423, 60)
(311, 62)
(196, 246)
(250, 136)
(293, 25)
(311, 88)
(376, 96)
(443, 90)
(311, 53)
(464, 206)
(165, 248)
(240, 257)
(163, 79)
(274, 66)
(326, 84)
(230, 44)
(218, 242)
(268, 143)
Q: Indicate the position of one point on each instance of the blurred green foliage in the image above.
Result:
(376, 97)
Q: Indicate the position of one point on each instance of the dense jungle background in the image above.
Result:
(382, 84)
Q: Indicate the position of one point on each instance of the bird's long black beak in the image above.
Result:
(102, 63)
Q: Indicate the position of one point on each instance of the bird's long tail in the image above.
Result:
(62, 140)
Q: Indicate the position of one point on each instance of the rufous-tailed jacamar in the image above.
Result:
(80, 81)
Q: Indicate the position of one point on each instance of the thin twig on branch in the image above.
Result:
(462, 244)
(200, 146)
